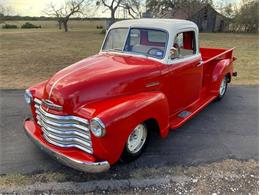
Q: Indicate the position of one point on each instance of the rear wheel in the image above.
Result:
(223, 88)
(136, 143)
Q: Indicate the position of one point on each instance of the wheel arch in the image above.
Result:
(152, 125)
(122, 115)
(222, 68)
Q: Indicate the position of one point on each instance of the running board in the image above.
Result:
(184, 114)
(182, 117)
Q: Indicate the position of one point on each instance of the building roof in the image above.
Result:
(208, 7)
(166, 24)
(178, 14)
(181, 13)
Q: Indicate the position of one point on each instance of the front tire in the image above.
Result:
(223, 88)
(136, 143)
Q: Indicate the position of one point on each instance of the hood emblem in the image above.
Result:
(49, 104)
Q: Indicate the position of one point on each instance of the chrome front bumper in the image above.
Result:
(91, 167)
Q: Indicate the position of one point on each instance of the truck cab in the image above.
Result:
(150, 75)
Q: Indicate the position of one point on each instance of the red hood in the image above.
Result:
(99, 77)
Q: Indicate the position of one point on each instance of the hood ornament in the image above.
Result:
(49, 104)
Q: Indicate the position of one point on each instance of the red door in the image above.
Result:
(185, 71)
(185, 83)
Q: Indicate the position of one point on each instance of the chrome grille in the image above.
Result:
(64, 131)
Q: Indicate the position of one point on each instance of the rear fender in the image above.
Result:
(121, 116)
(222, 68)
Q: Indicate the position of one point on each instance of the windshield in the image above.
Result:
(148, 42)
(116, 39)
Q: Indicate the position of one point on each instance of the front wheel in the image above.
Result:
(136, 143)
(223, 88)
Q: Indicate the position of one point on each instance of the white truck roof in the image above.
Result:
(172, 26)
(166, 24)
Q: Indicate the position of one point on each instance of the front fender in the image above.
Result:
(121, 116)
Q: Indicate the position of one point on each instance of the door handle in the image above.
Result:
(199, 64)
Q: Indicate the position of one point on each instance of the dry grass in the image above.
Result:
(30, 56)
(73, 24)
(247, 48)
(21, 180)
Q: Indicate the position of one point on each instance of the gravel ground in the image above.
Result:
(225, 177)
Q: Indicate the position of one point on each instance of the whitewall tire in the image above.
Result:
(136, 143)
(223, 88)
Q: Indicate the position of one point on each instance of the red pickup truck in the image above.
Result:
(150, 75)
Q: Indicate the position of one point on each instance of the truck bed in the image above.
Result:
(210, 54)
(210, 57)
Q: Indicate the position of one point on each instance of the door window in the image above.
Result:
(184, 45)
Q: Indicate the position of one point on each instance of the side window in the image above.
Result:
(184, 45)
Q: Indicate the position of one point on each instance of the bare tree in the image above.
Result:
(247, 17)
(160, 8)
(64, 13)
(132, 7)
(52, 11)
(5, 11)
(2, 10)
(112, 5)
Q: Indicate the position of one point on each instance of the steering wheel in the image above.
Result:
(153, 51)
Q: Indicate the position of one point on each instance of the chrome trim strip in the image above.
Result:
(67, 132)
(152, 84)
(64, 131)
(37, 101)
(91, 167)
(64, 140)
(41, 117)
(63, 117)
(66, 145)
(51, 105)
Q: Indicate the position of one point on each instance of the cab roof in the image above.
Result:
(172, 26)
(166, 24)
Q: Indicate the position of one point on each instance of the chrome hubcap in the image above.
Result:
(137, 139)
(223, 86)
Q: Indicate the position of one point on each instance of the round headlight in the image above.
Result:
(28, 97)
(97, 127)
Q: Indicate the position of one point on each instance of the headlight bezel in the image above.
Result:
(97, 127)
(28, 97)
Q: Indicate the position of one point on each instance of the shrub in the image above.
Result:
(103, 31)
(100, 27)
(9, 26)
(29, 25)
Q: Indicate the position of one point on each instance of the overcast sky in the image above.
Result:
(35, 7)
